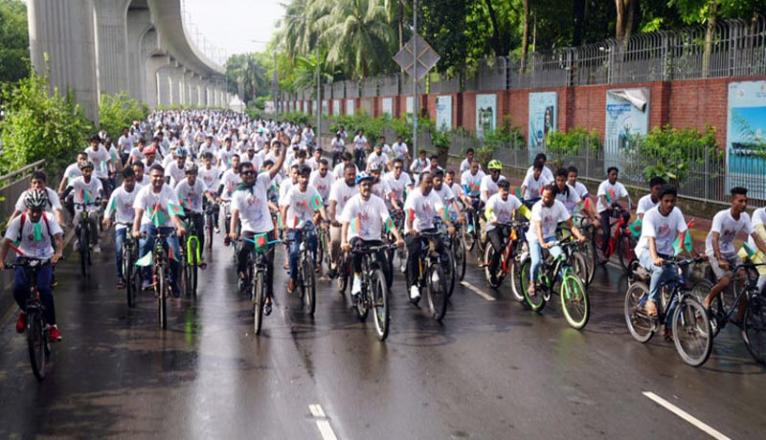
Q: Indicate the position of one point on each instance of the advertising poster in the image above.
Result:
(543, 111)
(388, 106)
(325, 107)
(444, 113)
(350, 107)
(486, 114)
(409, 106)
(627, 115)
(336, 107)
(746, 137)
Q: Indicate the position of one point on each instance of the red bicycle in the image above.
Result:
(621, 240)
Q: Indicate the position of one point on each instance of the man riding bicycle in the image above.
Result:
(120, 206)
(609, 194)
(88, 193)
(499, 212)
(191, 192)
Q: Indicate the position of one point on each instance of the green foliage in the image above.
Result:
(441, 139)
(673, 152)
(116, 112)
(573, 142)
(38, 126)
(506, 135)
(295, 117)
(14, 41)
(246, 75)
(373, 127)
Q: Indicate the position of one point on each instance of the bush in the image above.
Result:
(116, 112)
(38, 126)
(573, 142)
(673, 152)
(294, 117)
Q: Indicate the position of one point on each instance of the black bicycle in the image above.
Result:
(209, 208)
(306, 276)
(38, 344)
(432, 274)
(130, 272)
(161, 276)
(83, 232)
(374, 294)
(255, 278)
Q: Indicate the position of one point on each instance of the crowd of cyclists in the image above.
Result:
(258, 184)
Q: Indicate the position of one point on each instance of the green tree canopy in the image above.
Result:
(14, 41)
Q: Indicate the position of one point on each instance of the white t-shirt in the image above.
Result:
(423, 208)
(400, 150)
(570, 199)
(137, 155)
(322, 184)
(359, 142)
(645, 203)
(397, 186)
(72, 172)
(156, 204)
(472, 182)
(210, 177)
(125, 143)
(377, 159)
(534, 188)
(490, 186)
(229, 180)
(582, 190)
(100, 159)
(418, 165)
(549, 217)
(547, 174)
(341, 193)
(727, 228)
(338, 145)
(465, 167)
(448, 197)
(615, 192)
(365, 218)
(338, 171)
(759, 219)
(301, 205)
(664, 229)
(31, 248)
(501, 210)
(253, 207)
(121, 204)
(175, 172)
(191, 196)
(86, 192)
(53, 201)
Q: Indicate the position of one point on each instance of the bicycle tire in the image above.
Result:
(162, 311)
(84, 244)
(258, 298)
(127, 274)
(37, 343)
(700, 290)
(692, 316)
(599, 259)
(450, 273)
(517, 287)
(579, 266)
(437, 292)
(625, 252)
(574, 300)
(640, 326)
(754, 328)
(488, 254)
(379, 296)
(460, 257)
(589, 254)
(537, 302)
(308, 281)
(362, 310)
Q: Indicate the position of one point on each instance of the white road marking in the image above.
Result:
(477, 291)
(325, 429)
(686, 416)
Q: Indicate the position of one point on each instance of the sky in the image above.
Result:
(233, 24)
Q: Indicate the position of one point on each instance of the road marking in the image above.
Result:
(477, 291)
(325, 429)
(686, 416)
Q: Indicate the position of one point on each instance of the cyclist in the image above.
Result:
(465, 165)
(88, 193)
(228, 183)
(226, 155)
(397, 182)
(313, 161)
(546, 172)
(609, 194)
(137, 153)
(70, 173)
(340, 169)
(249, 209)
(422, 205)
(533, 184)
(488, 186)
(100, 158)
(379, 187)
(547, 213)
(120, 206)
(191, 192)
(757, 240)
(565, 193)
(433, 165)
(719, 244)
(301, 204)
(661, 226)
(338, 146)
(37, 183)
(471, 183)
(449, 200)
(400, 150)
(174, 171)
(650, 200)
(499, 212)
(418, 165)
(157, 208)
(377, 159)
(363, 219)
(321, 179)
(580, 189)
(141, 178)
(360, 148)
(340, 193)
(36, 243)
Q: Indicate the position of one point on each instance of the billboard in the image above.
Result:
(336, 106)
(543, 114)
(388, 106)
(627, 116)
(350, 107)
(746, 137)
(486, 114)
(444, 112)
(325, 107)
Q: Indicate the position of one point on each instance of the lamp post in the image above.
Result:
(414, 79)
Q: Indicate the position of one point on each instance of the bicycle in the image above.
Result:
(209, 209)
(323, 248)
(397, 218)
(509, 256)
(375, 290)
(431, 274)
(560, 271)
(83, 238)
(255, 277)
(191, 257)
(38, 344)
(306, 276)
(226, 205)
(588, 248)
(161, 276)
(687, 315)
(129, 273)
(620, 242)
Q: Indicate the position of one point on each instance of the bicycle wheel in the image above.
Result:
(460, 257)
(691, 331)
(517, 285)
(489, 253)
(640, 326)
(127, 274)
(574, 300)
(535, 302)
(438, 291)
(754, 328)
(37, 343)
(599, 259)
(579, 266)
(589, 254)
(258, 298)
(701, 290)
(449, 272)
(379, 296)
(625, 251)
(161, 291)
(84, 243)
(308, 287)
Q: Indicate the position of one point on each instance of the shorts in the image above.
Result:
(718, 271)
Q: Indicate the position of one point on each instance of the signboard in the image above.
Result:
(444, 112)
(336, 107)
(543, 111)
(325, 107)
(627, 115)
(426, 57)
(388, 106)
(409, 107)
(350, 107)
(746, 137)
(486, 114)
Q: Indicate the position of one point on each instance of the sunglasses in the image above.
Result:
(247, 173)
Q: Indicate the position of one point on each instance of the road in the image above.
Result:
(493, 370)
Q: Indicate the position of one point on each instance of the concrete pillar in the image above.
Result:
(62, 45)
(164, 81)
(188, 80)
(155, 90)
(112, 45)
(139, 24)
(151, 62)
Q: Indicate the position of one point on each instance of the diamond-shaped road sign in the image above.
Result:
(426, 57)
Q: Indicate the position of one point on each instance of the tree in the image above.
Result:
(626, 10)
(14, 41)
(246, 75)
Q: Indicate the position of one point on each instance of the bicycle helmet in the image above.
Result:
(494, 164)
(35, 199)
(180, 152)
(362, 176)
(150, 151)
(87, 164)
(191, 168)
(375, 168)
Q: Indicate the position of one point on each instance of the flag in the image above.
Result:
(355, 226)
(145, 261)
(635, 227)
(586, 203)
(608, 197)
(687, 243)
(261, 242)
(316, 202)
(389, 225)
(175, 210)
(517, 192)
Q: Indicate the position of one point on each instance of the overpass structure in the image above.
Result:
(92, 47)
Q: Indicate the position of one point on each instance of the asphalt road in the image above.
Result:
(492, 370)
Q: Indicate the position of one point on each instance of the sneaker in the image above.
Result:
(356, 287)
(332, 273)
(435, 277)
(414, 293)
(217, 230)
(54, 334)
(403, 268)
(96, 249)
(146, 285)
(21, 323)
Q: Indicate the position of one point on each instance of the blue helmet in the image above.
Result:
(362, 176)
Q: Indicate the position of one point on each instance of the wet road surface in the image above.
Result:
(493, 370)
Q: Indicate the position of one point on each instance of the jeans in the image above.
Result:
(416, 248)
(247, 249)
(660, 274)
(295, 237)
(146, 245)
(380, 256)
(497, 238)
(21, 290)
(536, 254)
(119, 241)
